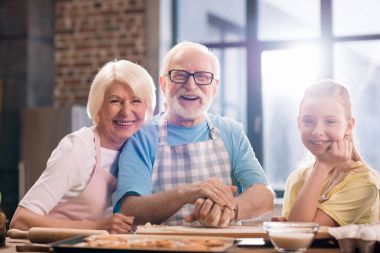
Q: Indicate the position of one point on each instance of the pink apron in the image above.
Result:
(94, 202)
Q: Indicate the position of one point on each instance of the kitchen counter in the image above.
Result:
(12, 243)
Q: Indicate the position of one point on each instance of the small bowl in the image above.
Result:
(367, 246)
(348, 245)
(291, 236)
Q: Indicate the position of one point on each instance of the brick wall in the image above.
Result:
(88, 33)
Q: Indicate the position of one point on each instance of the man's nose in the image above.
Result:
(190, 83)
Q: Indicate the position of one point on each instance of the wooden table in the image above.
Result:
(250, 231)
(11, 248)
(266, 250)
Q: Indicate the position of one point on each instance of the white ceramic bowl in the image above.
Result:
(291, 236)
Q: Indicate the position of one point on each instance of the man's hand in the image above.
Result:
(213, 189)
(117, 223)
(210, 214)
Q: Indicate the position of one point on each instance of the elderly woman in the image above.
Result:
(75, 189)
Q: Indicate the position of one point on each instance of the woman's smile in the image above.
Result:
(124, 123)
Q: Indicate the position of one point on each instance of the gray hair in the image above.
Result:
(186, 45)
(127, 73)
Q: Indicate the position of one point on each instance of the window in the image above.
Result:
(285, 75)
(232, 92)
(357, 64)
(347, 20)
(211, 21)
(288, 20)
(217, 24)
(271, 51)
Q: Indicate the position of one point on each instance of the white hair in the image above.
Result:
(127, 73)
(187, 45)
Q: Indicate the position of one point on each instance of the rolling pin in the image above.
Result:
(47, 235)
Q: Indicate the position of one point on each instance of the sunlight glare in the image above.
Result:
(289, 72)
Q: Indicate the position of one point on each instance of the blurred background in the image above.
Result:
(270, 51)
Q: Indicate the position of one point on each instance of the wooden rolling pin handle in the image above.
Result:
(17, 234)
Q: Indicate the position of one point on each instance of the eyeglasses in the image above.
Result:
(200, 77)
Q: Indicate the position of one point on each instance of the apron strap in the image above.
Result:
(163, 130)
(97, 149)
(214, 132)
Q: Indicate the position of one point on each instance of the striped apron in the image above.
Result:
(188, 164)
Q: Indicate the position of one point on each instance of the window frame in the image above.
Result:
(254, 49)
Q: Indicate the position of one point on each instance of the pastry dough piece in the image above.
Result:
(125, 242)
(208, 242)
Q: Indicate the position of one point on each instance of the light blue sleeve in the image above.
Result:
(246, 168)
(136, 164)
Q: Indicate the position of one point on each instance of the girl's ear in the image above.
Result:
(350, 126)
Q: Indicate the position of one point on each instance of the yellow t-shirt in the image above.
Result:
(355, 200)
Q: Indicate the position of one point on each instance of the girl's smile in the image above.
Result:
(321, 122)
(319, 146)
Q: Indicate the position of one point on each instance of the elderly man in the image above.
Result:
(187, 165)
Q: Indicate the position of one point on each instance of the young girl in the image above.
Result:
(337, 188)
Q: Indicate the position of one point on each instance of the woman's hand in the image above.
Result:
(117, 223)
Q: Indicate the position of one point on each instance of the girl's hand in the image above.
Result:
(339, 152)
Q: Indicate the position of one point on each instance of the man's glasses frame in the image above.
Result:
(197, 76)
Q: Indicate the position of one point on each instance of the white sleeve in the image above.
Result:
(68, 169)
